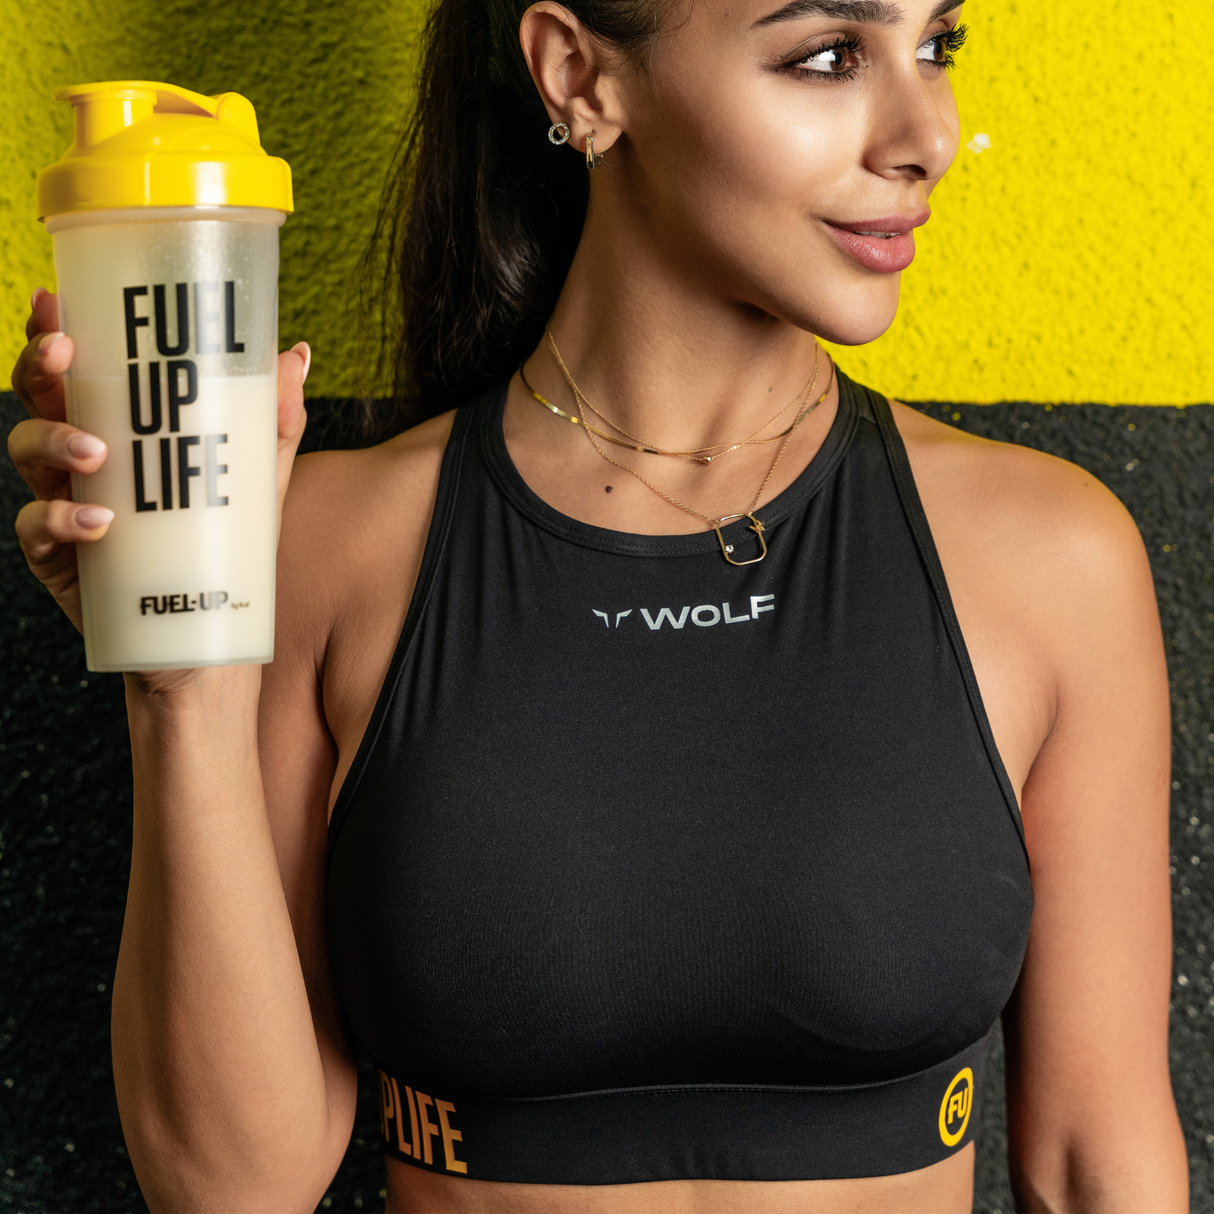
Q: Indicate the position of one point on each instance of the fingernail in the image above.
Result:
(48, 341)
(305, 352)
(39, 292)
(92, 517)
(85, 446)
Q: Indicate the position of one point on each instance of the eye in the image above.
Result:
(940, 49)
(933, 51)
(838, 59)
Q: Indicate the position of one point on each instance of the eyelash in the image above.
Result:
(952, 41)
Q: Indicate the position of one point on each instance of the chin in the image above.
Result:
(856, 315)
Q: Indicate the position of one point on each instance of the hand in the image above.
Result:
(46, 450)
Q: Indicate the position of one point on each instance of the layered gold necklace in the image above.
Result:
(703, 455)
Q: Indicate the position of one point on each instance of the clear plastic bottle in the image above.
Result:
(164, 215)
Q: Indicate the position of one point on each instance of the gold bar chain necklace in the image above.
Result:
(702, 455)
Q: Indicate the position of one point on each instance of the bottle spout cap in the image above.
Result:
(140, 143)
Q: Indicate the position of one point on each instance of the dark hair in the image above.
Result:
(481, 215)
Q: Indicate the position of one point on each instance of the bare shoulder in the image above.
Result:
(1038, 516)
(325, 485)
(1050, 581)
(352, 518)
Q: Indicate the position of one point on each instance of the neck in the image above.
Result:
(660, 350)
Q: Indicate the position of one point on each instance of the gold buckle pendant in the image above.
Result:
(726, 549)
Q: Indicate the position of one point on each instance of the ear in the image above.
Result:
(576, 74)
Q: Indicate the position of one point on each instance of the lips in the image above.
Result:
(886, 244)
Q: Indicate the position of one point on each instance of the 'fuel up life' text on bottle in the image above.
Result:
(165, 214)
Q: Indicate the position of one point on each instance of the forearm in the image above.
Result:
(1119, 1159)
(1132, 1185)
(220, 1078)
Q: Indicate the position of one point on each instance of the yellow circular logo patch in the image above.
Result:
(955, 1107)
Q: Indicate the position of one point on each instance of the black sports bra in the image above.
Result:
(651, 867)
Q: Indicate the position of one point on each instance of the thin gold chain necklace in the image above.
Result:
(581, 421)
(701, 455)
(717, 523)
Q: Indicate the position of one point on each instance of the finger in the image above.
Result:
(43, 528)
(44, 313)
(293, 367)
(46, 452)
(38, 375)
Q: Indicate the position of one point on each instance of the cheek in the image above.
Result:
(739, 180)
(792, 158)
(768, 160)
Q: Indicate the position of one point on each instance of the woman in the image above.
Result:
(645, 794)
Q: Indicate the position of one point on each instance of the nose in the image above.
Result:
(915, 129)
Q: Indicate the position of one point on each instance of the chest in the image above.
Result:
(753, 811)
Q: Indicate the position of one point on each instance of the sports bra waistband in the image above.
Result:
(727, 1132)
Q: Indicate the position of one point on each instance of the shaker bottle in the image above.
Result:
(164, 215)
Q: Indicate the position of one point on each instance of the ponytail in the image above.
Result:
(480, 215)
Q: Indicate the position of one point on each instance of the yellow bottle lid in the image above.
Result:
(142, 144)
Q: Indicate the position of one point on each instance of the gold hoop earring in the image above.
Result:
(558, 133)
(590, 157)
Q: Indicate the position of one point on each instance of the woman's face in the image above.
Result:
(774, 147)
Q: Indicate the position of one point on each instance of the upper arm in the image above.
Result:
(299, 756)
(1091, 1100)
(1054, 594)
(346, 566)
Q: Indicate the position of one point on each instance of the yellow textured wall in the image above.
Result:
(1070, 261)
(1074, 259)
(329, 82)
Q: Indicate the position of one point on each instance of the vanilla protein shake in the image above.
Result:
(165, 216)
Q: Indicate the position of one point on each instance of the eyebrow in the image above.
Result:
(867, 12)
